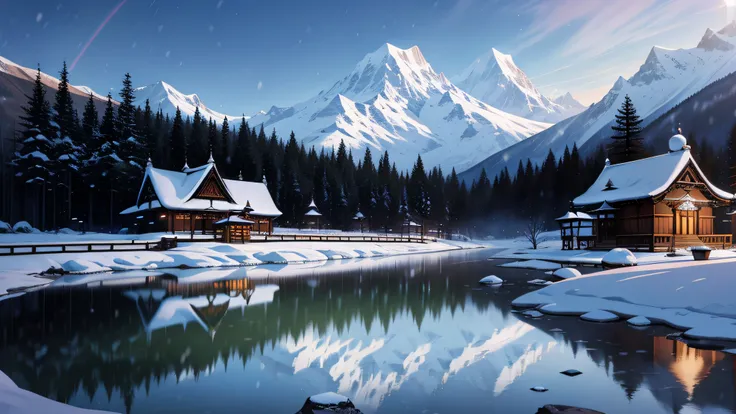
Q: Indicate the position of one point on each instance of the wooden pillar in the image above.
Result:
(191, 226)
(674, 227)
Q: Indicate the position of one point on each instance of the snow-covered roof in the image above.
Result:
(175, 191)
(234, 220)
(643, 178)
(604, 207)
(312, 212)
(570, 215)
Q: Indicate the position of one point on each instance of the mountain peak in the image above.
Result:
(495, 79)
(729, 30)
(713, 41)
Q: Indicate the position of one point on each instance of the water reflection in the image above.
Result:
(402, 335)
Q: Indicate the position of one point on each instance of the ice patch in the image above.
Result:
(599, 316)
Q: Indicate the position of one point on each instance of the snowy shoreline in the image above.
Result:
(694, 297)
(23, 272)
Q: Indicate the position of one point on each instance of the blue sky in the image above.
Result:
(242, 56)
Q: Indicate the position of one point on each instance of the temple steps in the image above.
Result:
(683, 241)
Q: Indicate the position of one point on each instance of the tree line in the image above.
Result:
(72, 168)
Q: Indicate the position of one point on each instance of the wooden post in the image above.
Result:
(191, 226)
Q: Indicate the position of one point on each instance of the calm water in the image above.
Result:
(396, 335)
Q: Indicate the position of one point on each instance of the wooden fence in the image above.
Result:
(165, 243)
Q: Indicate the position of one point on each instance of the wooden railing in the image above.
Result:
(171, 241)
(635, 241)
(718, 241)
(78, 247)
(341, 238)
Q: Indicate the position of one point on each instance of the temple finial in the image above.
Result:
(186, 164)
(240, 175)
(149, 163)
(264, 179)
(211, 160)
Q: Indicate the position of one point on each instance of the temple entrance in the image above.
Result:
(686, 220)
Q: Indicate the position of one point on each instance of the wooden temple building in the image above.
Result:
(195, 199)
(656, 204)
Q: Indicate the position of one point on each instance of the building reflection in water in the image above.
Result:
(689, 365)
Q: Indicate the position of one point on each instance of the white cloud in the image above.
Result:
(39, 17)
(260, 85)
(601, 25)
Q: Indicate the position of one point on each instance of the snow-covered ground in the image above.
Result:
(551, 250)
(17, 271)
(696, 297)
(15, 400)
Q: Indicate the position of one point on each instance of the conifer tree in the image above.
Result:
(32, 161)
(198, 147)
(627, 142)
(224, 149)
(417, 192)
(244, 152)
(177, 143)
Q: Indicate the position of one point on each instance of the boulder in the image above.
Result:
(5, 227)
(491, 280)
(619, 258)
(23, 227)
(566, 273)
(328, 402)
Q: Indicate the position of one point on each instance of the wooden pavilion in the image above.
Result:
(655, 204)
(194, 199)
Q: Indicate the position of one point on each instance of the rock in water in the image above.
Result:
(539, 389)
(328, 401)
(599, 316)
(491, 280)
(571, 373)
(565, 409)
(639, 321)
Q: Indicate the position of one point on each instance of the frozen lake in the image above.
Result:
(396, 335)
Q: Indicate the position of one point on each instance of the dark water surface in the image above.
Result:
(413, 334)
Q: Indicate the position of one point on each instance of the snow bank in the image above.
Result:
(696, 297)
(532, 264)
(619, 257)
(23, 227)
(83, 266)
(16, 269)
(5, 228)
(491, 280)
(14, 400)
(566, 273)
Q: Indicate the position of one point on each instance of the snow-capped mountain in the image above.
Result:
(569, 104)
(163, 96)
(393, 100)
(666, 78)
(16, 82)
(495, 79)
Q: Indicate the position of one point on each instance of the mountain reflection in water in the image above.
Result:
(399, 335)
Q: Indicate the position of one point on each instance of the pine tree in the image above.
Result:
(223, 159)
(244, 152)
(198, 147)
(32, 161)
(212, 138)
(627, 142)
(90, 121)
(63, 106)
(147, 131)
(64, 152)
(177, 143)
(417, 191)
